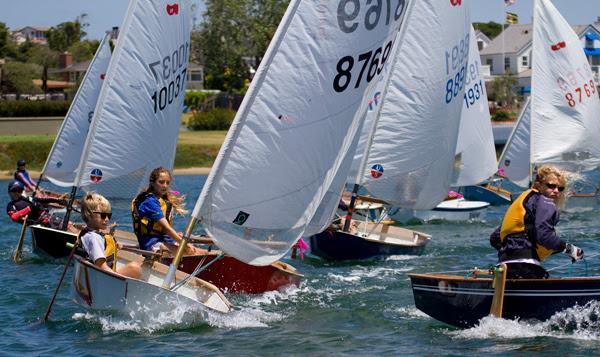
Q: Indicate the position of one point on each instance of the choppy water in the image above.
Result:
(339, 309)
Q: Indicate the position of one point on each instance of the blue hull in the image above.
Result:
(345, 246)
(479, 193)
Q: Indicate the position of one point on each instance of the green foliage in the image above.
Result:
(84, 50)
(490, 29)
(191, 155)
(29, 108)
(65, 34)
(502, 115)
(504, 90)
(194, 100)
(34, 152)
(215, 119)
(8, 49)
(233, 30)
(16, 77)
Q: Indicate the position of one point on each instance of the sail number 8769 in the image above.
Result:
(370, 59)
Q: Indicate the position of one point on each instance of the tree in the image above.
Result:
(504, 90)
(84, 50)
(17, 77)
(65, 34)
(232, 31)
(490, 29)
(8, 48)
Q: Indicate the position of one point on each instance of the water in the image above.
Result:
(339, 309)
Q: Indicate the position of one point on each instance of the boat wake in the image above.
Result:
(578, 322)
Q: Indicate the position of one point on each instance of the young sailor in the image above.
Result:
(527, 236)
(36, 209)
(152, 215)
(22, 175)
(98, 247)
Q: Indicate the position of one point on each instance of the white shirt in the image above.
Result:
(93, 243)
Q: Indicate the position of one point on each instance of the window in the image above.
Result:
(490, 63)
(525, 61)
(589, 43)
(506, 63)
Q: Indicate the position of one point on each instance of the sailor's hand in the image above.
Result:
(574, 252)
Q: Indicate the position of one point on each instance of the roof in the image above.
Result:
(482, 36)
(37, 28)
(75, 67)
(516, 38)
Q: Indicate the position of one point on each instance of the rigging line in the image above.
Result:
(198, 270)
(570, 263)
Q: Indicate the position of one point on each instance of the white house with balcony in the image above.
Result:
(510, 52)
(35, 34)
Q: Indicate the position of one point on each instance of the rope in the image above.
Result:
(570, 264)
(198, 270)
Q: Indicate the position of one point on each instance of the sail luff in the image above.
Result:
(241, 115)
(76, 101)
(518, 146)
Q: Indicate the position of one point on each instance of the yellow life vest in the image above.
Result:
(142, 226)
(515, 222)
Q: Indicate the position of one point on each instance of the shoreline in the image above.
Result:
(7, 175)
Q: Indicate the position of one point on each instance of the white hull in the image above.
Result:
(452, 210)
(99, 289)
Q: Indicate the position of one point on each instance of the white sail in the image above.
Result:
(565, 104)
(413, 149)
(137, 118)
(296, 124)
(475, 138)
(62, 162)
(514, 160)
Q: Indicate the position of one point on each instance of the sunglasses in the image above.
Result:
(104, 215)
(552, 186)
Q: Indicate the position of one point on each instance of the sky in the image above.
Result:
(104, 14)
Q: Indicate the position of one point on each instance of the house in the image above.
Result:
(35, 34)
(510, 52)
(482, 40)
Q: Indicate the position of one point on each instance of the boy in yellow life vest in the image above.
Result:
(101, 248)
(526, 236)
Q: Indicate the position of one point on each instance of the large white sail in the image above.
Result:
(514, 160)
(475, 138)
(296, 124)
(411, 157)
(565, 104)
(62, 162)
(137, 118)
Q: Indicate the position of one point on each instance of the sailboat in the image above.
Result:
(63, 159)
(475, 151)
(411, 142)
(561, 109)
(302, 114)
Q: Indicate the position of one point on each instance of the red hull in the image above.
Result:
(234, 276)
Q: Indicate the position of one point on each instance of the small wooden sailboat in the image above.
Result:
(457, 209)
(462, 301)
(228, 273)
(100, 289)
(283, 152)
(408, 148)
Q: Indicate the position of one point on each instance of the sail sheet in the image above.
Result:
(475, 138)
(411, 159)
(514, 161)
(63, 160)
(296, 124)
(565, 104)
(137, 117)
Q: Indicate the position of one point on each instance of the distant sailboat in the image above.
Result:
(408, 154)
(559, 125)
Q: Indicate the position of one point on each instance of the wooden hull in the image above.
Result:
(462, 302)
(100, 289)
(234, 276)
(384, 241)
(493, 195)
(52, 242)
